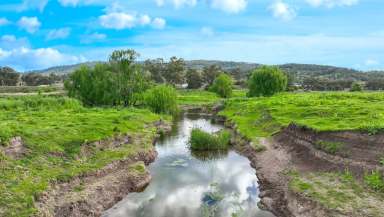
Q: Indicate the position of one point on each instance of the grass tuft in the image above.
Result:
(201, 140)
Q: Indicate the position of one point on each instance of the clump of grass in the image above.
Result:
(374, 181)
(162, 99)
(329, 147)
(201, 140)
(138, 167)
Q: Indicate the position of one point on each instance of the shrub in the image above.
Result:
(356, 87)
(223, 85)
(201, 140)
(162, 99)
(266, 81)
(119, 82)
(374, 181)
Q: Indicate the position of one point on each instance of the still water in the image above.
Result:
(194, 184)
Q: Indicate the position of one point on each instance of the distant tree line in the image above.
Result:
(9, 77)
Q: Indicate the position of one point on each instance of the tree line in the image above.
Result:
(9, 77)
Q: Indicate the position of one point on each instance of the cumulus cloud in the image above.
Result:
(122, 20)
(28, 59)
(61, 33)
(229, 6)
(282, 10)
(177, 3)
(94, 37)
(29, 24)
(332, 3)
(4, 21)
(159, 23)
(11, 42)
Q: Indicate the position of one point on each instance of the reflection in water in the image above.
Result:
(186, 184)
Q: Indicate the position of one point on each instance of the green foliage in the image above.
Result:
(194, 79)
(58, 132)
(356, 87)
(8, 76)
(329, 147)
(382, 161)
(201, 140)
(210, 73)
(223, 85)
(162, 99)
(266, 81)
(120, 82)
(174, 72)
(374, 181)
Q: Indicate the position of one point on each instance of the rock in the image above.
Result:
(16, 148)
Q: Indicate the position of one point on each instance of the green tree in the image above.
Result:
(194, 79)
(162, 99)
(8, 76)
(174, 73)
(210, 73)
(222, 85)
(119, 82)
(356, 87)
(266, 81)
(156, 68)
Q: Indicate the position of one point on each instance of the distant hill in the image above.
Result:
(241, 69)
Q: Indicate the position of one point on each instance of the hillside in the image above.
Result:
(241, 69)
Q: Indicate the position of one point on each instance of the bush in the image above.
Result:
(356, 87)
(119, 82)
(223, 85)
(201, 140)
(374, 181)
(266, 81)
(162, 99)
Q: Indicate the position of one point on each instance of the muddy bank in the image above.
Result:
(297, 148)
(93, 193)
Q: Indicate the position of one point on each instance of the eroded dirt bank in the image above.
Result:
(91, 194)
(297, 148)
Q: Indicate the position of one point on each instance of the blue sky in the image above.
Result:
(36, 34)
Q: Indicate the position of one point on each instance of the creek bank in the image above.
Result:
(93, 193)
(296, 148)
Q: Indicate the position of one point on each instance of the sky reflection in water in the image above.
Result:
(184, 183)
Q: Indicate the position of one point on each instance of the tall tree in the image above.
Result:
(210, 73)
(194, 79)
(174, 73)
(156, 68)
(8, 76)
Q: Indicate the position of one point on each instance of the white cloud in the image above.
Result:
(72, 3)
(4, 21)
(118, 20)
(332, 3)
(207, 31)
(10, 42)
(29, 24)
(282, 10)
(371, 62)
(27, 59)
(229, 6)
(145, 20)
(159, 23)
(122, 20)
(94, 37)
(177, 3)
(61, 33)
(33, 4)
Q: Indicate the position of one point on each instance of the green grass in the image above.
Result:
(338, 192)
(201, 140)
(203, 98)
(329, 147)
(322, 111)
(54, 130)
(374, 180)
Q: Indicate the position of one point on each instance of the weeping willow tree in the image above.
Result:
(121, 81)
(266, 81)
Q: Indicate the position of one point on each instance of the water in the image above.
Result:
(191, 184)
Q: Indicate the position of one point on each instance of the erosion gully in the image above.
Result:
(187, 183)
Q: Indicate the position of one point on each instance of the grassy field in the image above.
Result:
(54, 129)
(326, 111)
(203, 98)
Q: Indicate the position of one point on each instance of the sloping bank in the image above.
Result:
(331, 167)
(59, 158)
